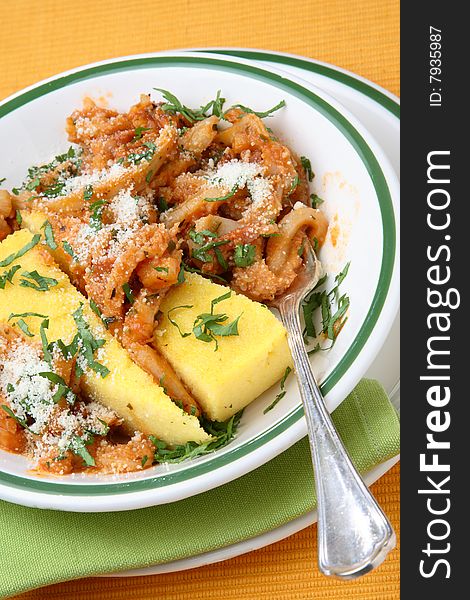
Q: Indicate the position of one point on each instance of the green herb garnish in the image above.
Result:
(97, 209)
(78, 446)
(88, 192)
(222, 432)
(27, 314)
(173, 322)
(294, 185)
(24, 328)
(333, 308)
(68, 248)
(315, 200)
(45, 344)
(244, 255)
(261, 114)
(227, 196)
(136, 158)
(89, 344)
(37, 282)
(307, 165)
(221, 259)
(202, 252)
(49, 235)
(186, 267)
(128, 293)
(18, 217)
(281, 394)
(8, 276)
(63, 389)
(162, 204)
(138, 131)
(173, 106)
(9, 259)
(217, 106)
(21, 422)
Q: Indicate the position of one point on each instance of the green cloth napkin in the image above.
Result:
(41, 547)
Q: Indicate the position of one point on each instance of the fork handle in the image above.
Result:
(354, 535)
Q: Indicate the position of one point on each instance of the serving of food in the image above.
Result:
(141, 247)
(116, 348)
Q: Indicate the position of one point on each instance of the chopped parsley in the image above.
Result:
(96, 209)
(245, 255)
(7, 276)
(138, 131)
(24, 328)
(89, 344)
(162, 204)
(185, 267)
(27, 314)
(32, 279)
(68, 248)
(21, 422)
(88, 192)
(45, 344)
(261, 114)
(174, 323)
(128, 292)
(105, 320)
(49, 235)
(282, 393)
(222, 432)
(294, 185)
(307, 166)
(315, 200)
(227, 196)
(78, 446)
(18, 217)
(208, 325)
(173, 106)
(202, 252)
(331, 306)
(136, 158)
(12, 257)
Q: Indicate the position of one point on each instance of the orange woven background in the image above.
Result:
(42, 37)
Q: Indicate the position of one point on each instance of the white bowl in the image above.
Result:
(360, 190)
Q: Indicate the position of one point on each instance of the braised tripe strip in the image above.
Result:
(126, 388)
(107, 183)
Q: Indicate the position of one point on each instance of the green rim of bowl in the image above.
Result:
(386, 271)
(284, 59)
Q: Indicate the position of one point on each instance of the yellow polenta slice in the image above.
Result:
(243, 367)
(127, 389)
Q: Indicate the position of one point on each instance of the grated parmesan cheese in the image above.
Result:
(30, 397)
(75, 184)
(128, 214)
(239, 174)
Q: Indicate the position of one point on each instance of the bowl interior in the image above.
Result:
(350, 183)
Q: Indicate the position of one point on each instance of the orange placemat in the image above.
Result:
(283, 571)
(42, 37)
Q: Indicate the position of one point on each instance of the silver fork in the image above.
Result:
(354, 535)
